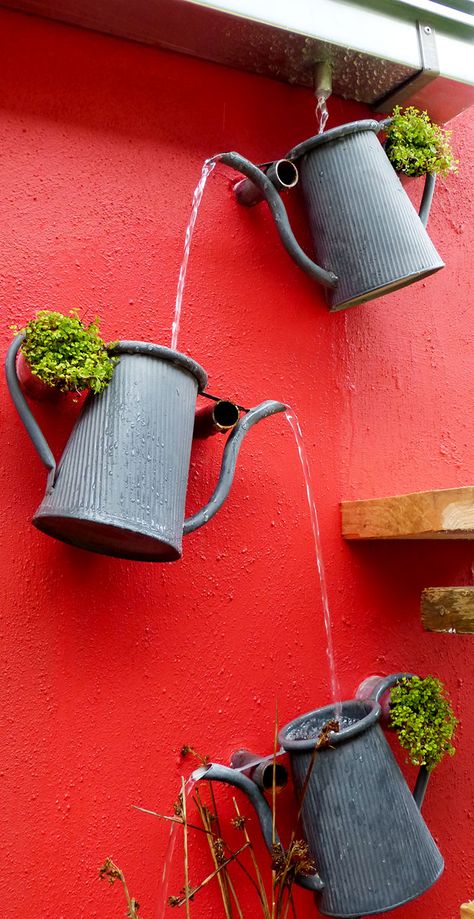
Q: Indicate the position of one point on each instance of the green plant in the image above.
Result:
(416, 146)
(422, 716)
(64, 352)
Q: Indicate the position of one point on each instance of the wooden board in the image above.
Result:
(444, 514)
(467, 910)
(448, 609)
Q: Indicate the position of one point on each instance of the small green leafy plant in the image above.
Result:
(416, 146)
(422, 716)
(64, 352)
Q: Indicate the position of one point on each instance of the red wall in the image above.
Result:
(109, 666)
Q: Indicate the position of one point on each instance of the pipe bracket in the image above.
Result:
(428, 72)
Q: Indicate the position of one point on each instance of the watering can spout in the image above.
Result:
(283, 175)
(266, 187)
(229, 462)
(214, 772)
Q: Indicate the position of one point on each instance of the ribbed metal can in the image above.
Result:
(363, 224)
(120, 487)
(366, 833)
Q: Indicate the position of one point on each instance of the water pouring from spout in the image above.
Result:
(207, 168)
(162, 899)
(292, 420)
(322, 113)
(322, 91)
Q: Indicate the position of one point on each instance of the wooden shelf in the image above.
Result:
(444, 514)
(448, 609)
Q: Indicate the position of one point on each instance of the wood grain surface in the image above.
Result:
(443, 514)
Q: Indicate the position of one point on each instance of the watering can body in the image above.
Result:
(363, 826)
(368, 238)
(370, 844)
(120, 486)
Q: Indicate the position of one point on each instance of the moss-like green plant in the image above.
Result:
(65, 353)
(416, 146)
(422, 716)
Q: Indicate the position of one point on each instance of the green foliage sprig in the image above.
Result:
(422, 716)
(65, 353)
(416, 146)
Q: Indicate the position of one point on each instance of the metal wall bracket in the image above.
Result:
(429, 71)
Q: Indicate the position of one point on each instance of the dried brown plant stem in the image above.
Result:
(225, 882)
(185, 848)
(191, 826)
(235, 897)
(224, 878)
(205, 816)
(290, 902)
(209, 878)
(227, 888)
(210, 834)
(275, 741)
(285, 883)
(111, 871)
(199, 829)
(305, 788)
(261, 886)
(322, 741)
(242, 866)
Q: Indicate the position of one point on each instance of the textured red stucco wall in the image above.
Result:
(108, 666)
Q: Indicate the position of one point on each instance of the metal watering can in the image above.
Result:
(120, 486)
(368, 239)
(364, 828)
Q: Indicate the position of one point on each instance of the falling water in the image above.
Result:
(168, 860)
(322, 113)
(292, 420)
(207, 168)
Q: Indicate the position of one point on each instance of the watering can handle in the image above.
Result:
(278, 211)
(427, 198)
(33, 429)
(217, 773)
(378, 691)
(229, 462)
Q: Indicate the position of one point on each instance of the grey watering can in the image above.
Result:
(120, 486)
(371, 846)
(368, 239)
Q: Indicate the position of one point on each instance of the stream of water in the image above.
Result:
(322, 113)
(163, 888)
(207, 168)
(290, 415)
(322, 116)
(292, 420)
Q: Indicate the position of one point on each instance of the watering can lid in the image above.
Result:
(165, 354)
(359, 715)
(343, 130)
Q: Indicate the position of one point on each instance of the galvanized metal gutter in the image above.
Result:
(374, 45)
